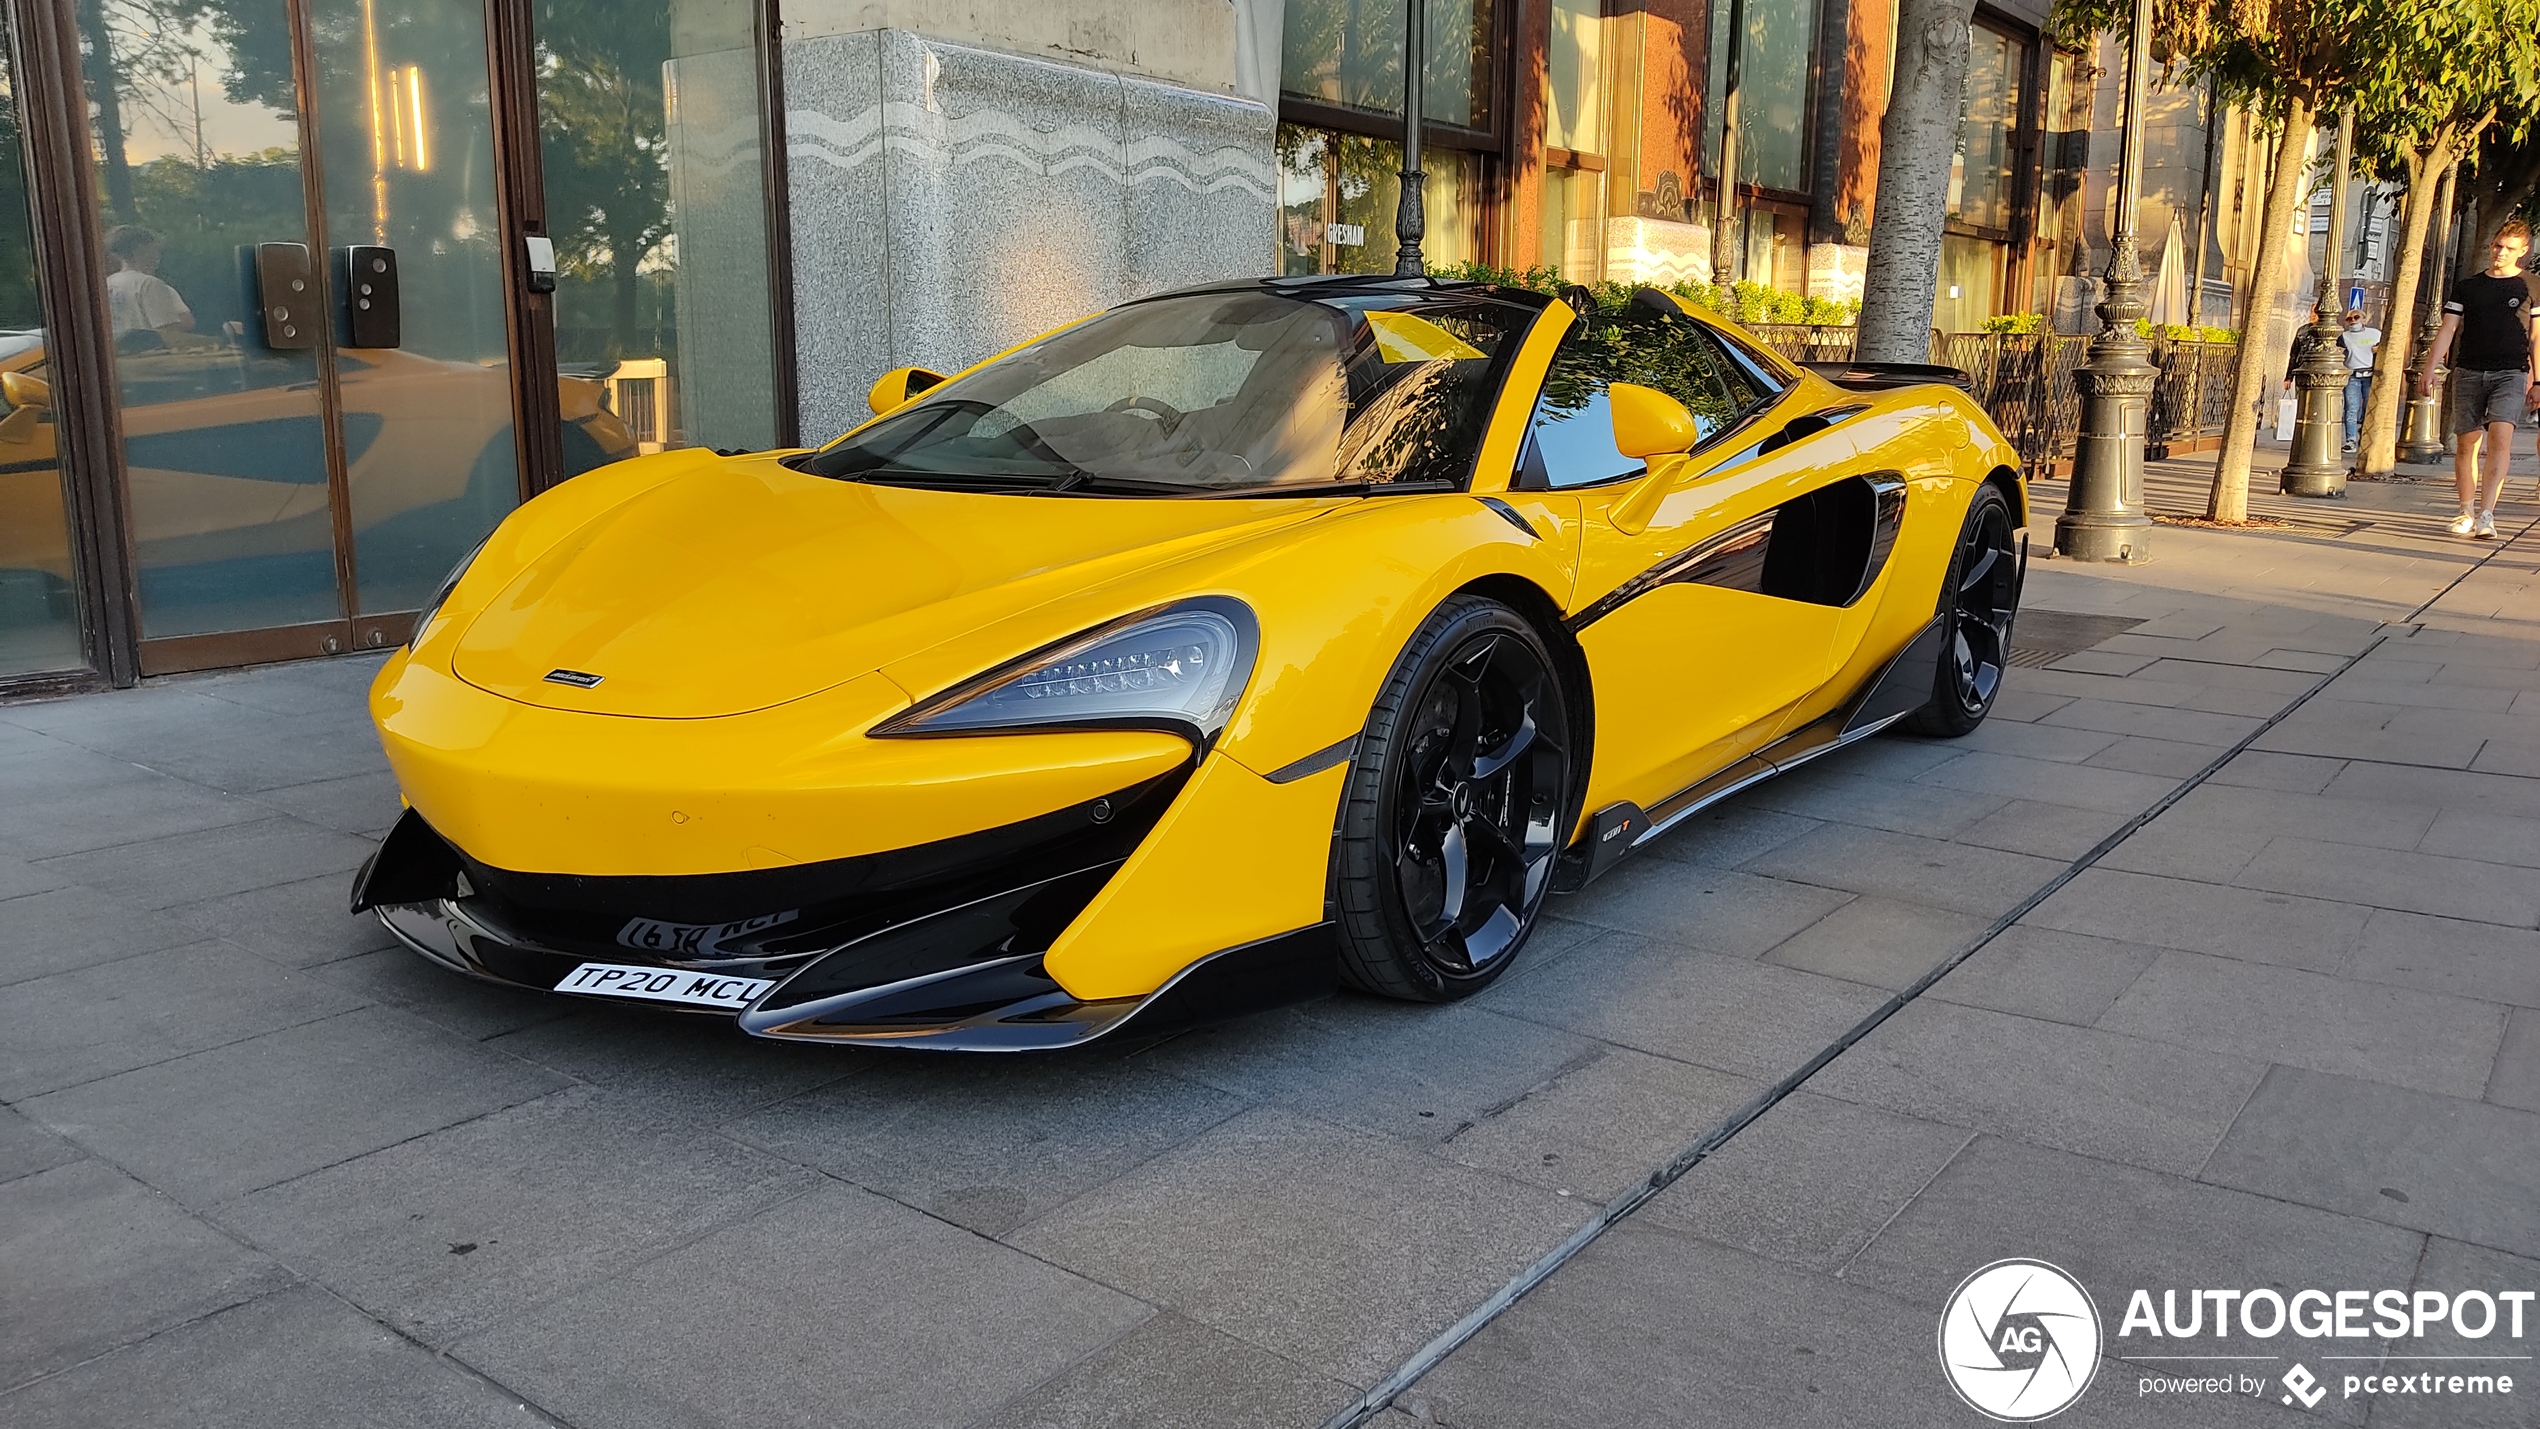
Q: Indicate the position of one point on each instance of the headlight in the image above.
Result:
(1180, 668)
(441, 594)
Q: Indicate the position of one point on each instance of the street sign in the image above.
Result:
(2354, 297)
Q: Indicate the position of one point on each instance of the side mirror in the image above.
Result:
(892, 389)
(29, 397)
(1648, 422)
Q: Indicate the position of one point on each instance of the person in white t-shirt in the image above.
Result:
(2360, 342)
(148, 311)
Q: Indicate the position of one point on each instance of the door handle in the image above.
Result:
(286, 295)
(373, 315)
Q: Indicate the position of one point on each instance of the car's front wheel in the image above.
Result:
(1457, 804)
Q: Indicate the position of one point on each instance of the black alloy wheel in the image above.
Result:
(1457, 805)
(1979, 598)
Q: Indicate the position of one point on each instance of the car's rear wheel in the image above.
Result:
(1978, 599)
(1457, 804)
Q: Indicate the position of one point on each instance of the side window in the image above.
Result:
(1748, 372)
(1571, 442)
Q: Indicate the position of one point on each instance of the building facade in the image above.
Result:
(299, 297)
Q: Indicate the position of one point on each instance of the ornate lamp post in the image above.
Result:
(2319, 363)
(2103, 516)
(2425, 414)
(1410, 220)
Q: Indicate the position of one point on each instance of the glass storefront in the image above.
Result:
(1348, 53)
(1338, 194)
(1339, 180)
(648, 123)
(1775, 62)
(1620, 139)
(1970, 276)
(2059, 283)
(1578, 103)
(1983, 183)
(407, 152)
(39, 617)
(1981, 174)
(263, 426)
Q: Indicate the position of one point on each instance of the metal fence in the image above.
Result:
(2025, 380)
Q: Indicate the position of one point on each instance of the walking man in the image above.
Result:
(2491, 313)
(2360, 342)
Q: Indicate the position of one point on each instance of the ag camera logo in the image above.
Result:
(2019, 1341)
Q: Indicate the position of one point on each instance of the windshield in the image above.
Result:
(1214, 393)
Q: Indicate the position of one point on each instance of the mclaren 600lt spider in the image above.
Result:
(1180, 662)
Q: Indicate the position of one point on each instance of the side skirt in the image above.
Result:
(1901, 687)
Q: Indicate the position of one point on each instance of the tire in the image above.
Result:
(1458, 802)
(1979, 597)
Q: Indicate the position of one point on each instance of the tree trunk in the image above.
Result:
(625, 286)
(103, 92)
(2429, 181)
(1916, 141)
(2230, 498)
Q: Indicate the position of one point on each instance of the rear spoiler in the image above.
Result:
(1872, 376)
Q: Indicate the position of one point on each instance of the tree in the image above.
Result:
(2438, 76)
(605, 155)
(2499, 179)
(1916, 142)
(2284, 60)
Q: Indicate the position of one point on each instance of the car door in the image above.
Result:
(1705, 601)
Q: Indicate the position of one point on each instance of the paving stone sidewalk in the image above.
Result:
(257, 1167)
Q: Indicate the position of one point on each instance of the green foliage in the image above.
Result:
(1742, 302)
(2015, 324)
(605, 156)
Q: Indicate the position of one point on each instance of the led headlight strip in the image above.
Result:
(1179, 667)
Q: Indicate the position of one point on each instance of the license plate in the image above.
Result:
(665, 985)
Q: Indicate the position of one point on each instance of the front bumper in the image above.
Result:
(1005, 1004)
(938, 946)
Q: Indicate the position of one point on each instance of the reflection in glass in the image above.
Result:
(1772, 127)
(39, 619)
(224, 445)
(1349, 53)
(1573, 224)
(407, 151)
(1573, 427)
(1980, 173)
(1338, 194)
(1969, 268)
(649, 138)
(1574, 83)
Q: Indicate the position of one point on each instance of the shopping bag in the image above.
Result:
(2284, 419)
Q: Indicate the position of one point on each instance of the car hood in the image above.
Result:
(744, 584)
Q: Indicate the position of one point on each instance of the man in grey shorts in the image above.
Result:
(2492, 315)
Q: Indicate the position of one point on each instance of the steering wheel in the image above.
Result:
(1166, 414)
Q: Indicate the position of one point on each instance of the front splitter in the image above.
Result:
(1006, 1004)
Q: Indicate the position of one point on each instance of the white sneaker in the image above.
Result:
(2486, 528)
(2464, 524)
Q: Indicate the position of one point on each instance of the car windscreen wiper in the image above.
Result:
(1018, 481)
(1340, 488)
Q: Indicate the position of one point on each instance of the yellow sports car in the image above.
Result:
(1179, 662)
